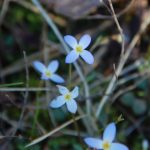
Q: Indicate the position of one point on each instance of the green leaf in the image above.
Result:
(128, 99)
(77, 147)
(143, 85)
(139, 107)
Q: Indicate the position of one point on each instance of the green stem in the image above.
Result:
(77, 129)
(35, 116)
(70, 74)
(73, 116)
(35, 119)
(76, 125)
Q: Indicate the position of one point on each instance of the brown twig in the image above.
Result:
(26, 93)
(53, 131)
(100, 16)
(121, 64)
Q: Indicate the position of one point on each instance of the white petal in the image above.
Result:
(85, 41)
(58, 102)
(63, 90)
(87, 56)
(53, 66)
(109, 132)
(118, 146)
(93, 143)
(39, 66)
(56, 78)
(71, 57)
(72, 106)
(71, 41)
(75, 92)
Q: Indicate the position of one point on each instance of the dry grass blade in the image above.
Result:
(4, 10)
(144, 25)
(67, 50)
(53, 131)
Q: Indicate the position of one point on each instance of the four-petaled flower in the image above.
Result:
(49, 71)
(79, 49)
(67, 98)
(107, 142)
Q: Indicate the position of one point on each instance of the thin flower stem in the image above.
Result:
(77, 129)
(73, 116)
(47, 83)
(70, 74)
(76, 125)
(119, 27)
(26, 94)
(35, 117)
(36, 113)
(66, 48)
(121, 64)
(19, 124)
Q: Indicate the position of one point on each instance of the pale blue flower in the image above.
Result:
(48, 73)
(145, 144)
(79, 49)
(107, 142)
(67, 98)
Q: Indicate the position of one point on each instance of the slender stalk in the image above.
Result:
(47, 83)
(121, 64)
(66, 48)
(77, 129)
(19, 124)
(37, 111)
(119, 27)
(70, 74)
(75, 124)
(25, 95)
(73, 115)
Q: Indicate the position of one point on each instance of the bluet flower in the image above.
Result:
(107, 142)
(48, 73)
(79, 49)
(145, 144)
(67, 97)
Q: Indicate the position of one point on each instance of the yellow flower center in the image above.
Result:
(106, 145)
(68, 97)
(79, 49)
(48, 73)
